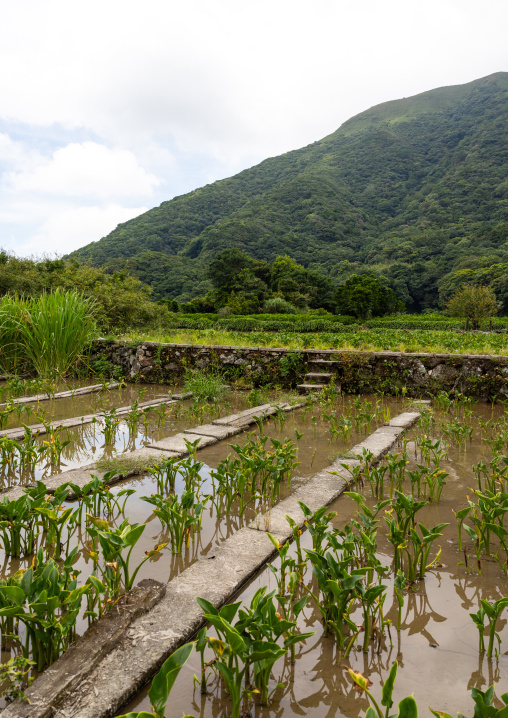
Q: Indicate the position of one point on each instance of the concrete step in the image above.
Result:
(328, 363)
(318, 377)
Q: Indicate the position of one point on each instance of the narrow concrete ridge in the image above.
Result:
(136, 462)
(41, 429)
(68, 394)
(152, 637)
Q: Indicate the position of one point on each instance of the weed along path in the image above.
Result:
(89, 682)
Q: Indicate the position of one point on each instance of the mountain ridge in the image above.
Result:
(391, 190)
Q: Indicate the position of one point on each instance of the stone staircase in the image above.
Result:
(321, 373)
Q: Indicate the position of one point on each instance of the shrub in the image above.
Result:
(474, 304)
(278, 305)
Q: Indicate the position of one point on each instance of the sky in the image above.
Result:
(110, 107)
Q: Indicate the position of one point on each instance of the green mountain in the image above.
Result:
(415, 190)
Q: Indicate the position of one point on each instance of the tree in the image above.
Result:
(473, 303)
(222, 270)
(363, 296)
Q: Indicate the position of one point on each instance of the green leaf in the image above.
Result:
(134, 534)
(386, 699)
(408, 708)
(165, 678)
(13, 594)
(232, 636)
(207, 606)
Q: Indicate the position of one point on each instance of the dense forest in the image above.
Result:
(414, 191)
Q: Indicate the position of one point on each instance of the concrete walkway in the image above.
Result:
(68, 394)
(41, 429)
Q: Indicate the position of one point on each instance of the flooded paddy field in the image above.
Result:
(286, 448)
(454, 463)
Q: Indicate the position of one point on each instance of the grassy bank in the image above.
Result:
(404, 340)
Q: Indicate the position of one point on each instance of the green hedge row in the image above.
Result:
(263, 322)
(303, 323)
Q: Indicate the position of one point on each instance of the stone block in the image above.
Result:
(217, 431)
(405, 420)
(177, 444)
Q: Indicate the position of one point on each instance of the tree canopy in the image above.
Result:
(364, 296)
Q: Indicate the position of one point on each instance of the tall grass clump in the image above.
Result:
(205, 387)
(13, 359)
(45, 334)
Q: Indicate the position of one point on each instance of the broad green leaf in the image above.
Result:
(163, 681)
(232, 636)
(408, 708)
(386, 698)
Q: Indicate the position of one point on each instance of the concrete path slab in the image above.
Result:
(153, 402)
(247, 416)
(405, 420)
(377, 443)
(177, 444)
(218, 432)
(40, 429)
(63, 394)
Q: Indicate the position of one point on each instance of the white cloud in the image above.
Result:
(144, 101)
(69, 229)
(84, 170)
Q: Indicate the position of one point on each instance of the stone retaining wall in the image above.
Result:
(480, 376)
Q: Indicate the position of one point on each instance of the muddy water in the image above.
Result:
(87, 443)
(82, 405)
(316, 451)
(437, 647)
(30, 387)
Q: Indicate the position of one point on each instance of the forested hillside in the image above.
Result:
(415, 190)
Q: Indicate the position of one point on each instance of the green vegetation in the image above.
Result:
(120, 300)
(205, 386)
(474, 303)
(46, 334)
(364, 296)
(414, 191)
(356, 339)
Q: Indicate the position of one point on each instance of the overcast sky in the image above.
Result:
(108, 108)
